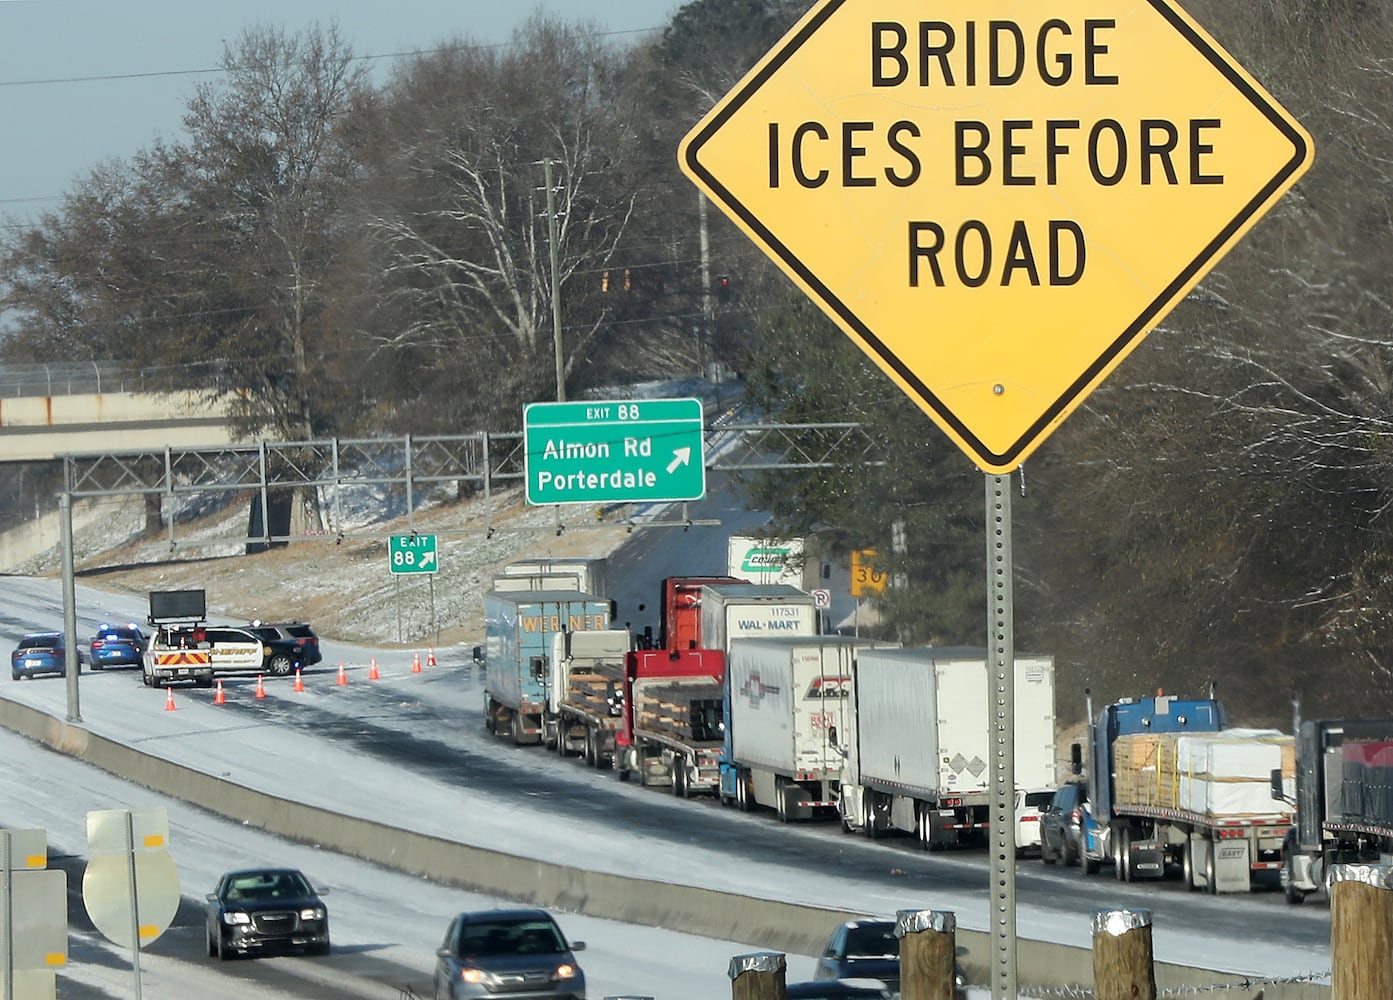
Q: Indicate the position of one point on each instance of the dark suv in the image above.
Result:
(287, 645)
(1061, 822)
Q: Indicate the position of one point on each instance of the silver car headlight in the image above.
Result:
(564, 971)
(480, 977)
(236, 917)
(312, 913)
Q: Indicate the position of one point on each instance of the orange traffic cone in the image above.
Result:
(219, 698)
(416, 663)
(299, 682)
(260, 687)
(169, 705)
(343, 676)
(373, 675)
(430, 657)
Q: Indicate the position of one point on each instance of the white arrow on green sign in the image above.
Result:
(621, 451)
(412, 554)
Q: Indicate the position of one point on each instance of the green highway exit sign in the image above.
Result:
(614, 452)
(412, 554)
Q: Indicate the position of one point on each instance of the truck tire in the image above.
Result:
(679, 780)
(868, 825)
(1293, 894)
(781, 800)
(742, 791)
(1187, 865)
(515, 725)
(1087, 865)
(1122, 857)
(488, 716)
(1211, 886)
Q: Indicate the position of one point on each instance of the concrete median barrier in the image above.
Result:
(769, 924)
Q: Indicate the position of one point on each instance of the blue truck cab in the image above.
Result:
(1159, 714)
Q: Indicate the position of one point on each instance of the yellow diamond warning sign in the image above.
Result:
(996, 199)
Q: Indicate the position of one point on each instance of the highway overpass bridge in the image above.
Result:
(51, 410)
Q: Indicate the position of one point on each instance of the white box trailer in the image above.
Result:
(751, 610)
(588, 575)
(919, 762)
(787, 706)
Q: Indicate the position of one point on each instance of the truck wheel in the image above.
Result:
(488, 716)
(1294, 895)
(516, 727)
(1123, 857)
(590, 747)
(868, 826)
(1187, 865)
(1211, 886)
(1087, 865)
(742, 791)
(679, 780)
(781, 800)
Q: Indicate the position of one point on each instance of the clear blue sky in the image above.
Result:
(86, 80)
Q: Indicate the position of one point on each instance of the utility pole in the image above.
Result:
(706, 305)
(555, 285)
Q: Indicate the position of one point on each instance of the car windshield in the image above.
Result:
(872, 941)
(253, 886)
(516, 937)
(1038, 800)
(40, 642)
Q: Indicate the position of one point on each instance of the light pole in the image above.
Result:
(555, 284)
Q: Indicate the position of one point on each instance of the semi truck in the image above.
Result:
(749, 610)
(672, 726)
(519, 627)
(585, 693)
(1344, 770)
(786, 708)
(679, 615)
(917, 758)
(1169, 783)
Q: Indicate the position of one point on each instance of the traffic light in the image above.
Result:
(723, 287)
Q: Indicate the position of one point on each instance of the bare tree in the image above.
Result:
(467, 242)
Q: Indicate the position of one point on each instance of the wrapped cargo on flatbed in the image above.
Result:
(1222, 775)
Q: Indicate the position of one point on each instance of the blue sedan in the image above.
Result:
(41, 653)
(117, 646)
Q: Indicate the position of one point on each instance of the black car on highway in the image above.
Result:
(867, 948)
(258, 910)
(288, 645)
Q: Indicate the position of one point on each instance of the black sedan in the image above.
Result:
(259, 910)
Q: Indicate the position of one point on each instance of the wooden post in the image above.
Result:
(760, 976)
(928, 953)
(1123, 965)
(1361, 932)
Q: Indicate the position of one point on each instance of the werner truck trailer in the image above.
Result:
(787, 704)
(519, 627)
(918, 761)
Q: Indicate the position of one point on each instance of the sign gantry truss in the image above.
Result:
(411, 468)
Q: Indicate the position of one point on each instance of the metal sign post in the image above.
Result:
(1001, 654)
